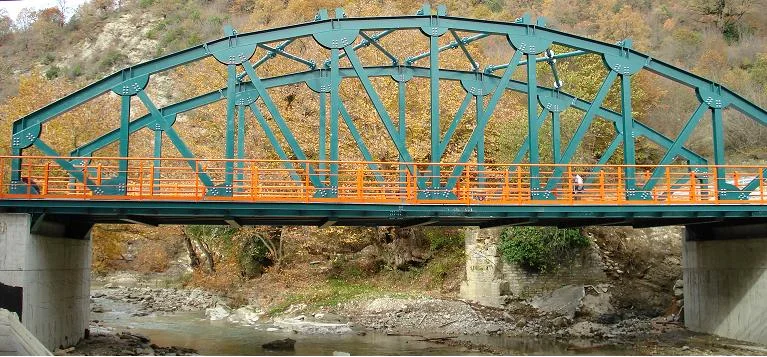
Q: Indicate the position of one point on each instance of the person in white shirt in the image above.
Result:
(577, 186)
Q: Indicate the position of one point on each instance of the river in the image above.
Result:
(194, 330)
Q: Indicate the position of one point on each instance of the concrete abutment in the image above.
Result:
(725, 280)
(47, 278)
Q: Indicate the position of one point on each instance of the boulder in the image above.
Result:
(247, 315)
(285, 344)
(596, 305)
(564, 301)
(560, 322)
(219, 312)
(312, 327)
(679, 288)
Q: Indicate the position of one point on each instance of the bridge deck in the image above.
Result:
(173, 190)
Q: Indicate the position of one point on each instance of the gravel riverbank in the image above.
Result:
(452, 322)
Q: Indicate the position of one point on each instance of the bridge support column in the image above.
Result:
(45, 278)
(725, 280)
(483, 282)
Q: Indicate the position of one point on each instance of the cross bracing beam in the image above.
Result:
(513, 85)
(462, 42)
(26, 130)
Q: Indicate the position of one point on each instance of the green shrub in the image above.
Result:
(48, 58)
(111, 58)
(540, 248)
(52, 72)
(75, 71)
(441, 238)
(252, 256)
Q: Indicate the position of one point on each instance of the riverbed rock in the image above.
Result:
(596, 305)
(560, 322)
(679, 288)
(285, 344)
(246, 315)
(219, 312)
(304, 326)
(564, 301)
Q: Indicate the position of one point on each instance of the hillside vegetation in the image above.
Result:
(45, 55)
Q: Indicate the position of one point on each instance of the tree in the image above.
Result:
(6, 25)
(26, 17)
(725, 14)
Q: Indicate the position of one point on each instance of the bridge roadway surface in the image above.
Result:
(75, 212)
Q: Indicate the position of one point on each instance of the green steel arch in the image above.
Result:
(343, 36)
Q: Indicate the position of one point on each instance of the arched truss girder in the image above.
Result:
(528, 39)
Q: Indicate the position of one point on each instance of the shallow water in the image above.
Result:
(193, 330)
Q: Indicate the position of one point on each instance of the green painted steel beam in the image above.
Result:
(231, 112)
(283, 53)
(628, 134)
(522, 152)
(454, 124)
(281, 124)
(673, 151)
(435, 129)
(361, 144)
(583, 127)
(487, 112)
(398, 141)
(364, 43)
(452, 45)
(286, 162)
(174, 138)
(374, 42)
(521, 87)
(465, 50)
(532, 126)
(495, 68)
(378, 213)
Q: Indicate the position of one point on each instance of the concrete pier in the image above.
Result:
(45, 278)
(725, 281)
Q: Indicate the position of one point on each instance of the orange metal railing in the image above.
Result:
(294, 181)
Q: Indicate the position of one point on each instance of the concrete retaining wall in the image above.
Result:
(54, 277)
(489, 278)
(725, 287)
(16, 340)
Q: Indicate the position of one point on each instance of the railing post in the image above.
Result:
(519, 185)
(407, 185)
(98, 174)
(85, 180)
(306, 182)
(252, 180)
(619, 187)
(141, 179)
(360, 179)
(602, 184)
(668, 186)
(467, 188)
(257, 182)
(2, 177)
(761, 184)
(716, 183)
(151, 180)
(196, 179)
(46, 176)
(505, 191)
(693, 195)
(570, 188)
(735, 179)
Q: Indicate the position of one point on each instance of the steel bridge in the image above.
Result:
(85, 186)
